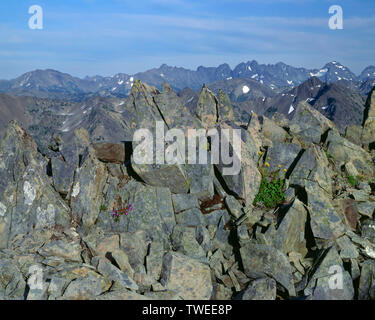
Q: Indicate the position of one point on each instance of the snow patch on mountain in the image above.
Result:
(320, 73)
(245, 89)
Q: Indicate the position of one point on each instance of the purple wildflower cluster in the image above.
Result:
(116, 213)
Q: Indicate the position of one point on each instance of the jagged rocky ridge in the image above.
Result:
(193, 233)
(57, 85)
(105, 117)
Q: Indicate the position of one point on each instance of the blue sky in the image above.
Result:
(89, 37)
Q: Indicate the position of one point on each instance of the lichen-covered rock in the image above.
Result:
(345, 152)
(354, 134)
(179, 115)
(30, 243)
(282, 154)
(145, 114)
(56, 287)
(366, 208)
(213, 218)
(366, 282)
(234, 207)
(190, 278)
(272, 131)
(101, 244)
(254, 128)
(346, 248)
(27, 199)
(329, 280)
(190, 218)
(154, 260)
(314, 166)
(135, 246)
(290, 234)
(225, 109)
(207, 110)
(368, 230)
(63, 166)
(222, 234)
(12, 284)
(87, 193)
(184, 241)
(152, 210)
(259, 260)
(260, 289)
(182, 202)
(201, 178)
(142, 112)
(325, 221)
(120, 278)
(83, 288)
(202, 235)
(62, 248)
(122, 260)
(148, 108)
(163, 175)
(309, 124)
(244, 184)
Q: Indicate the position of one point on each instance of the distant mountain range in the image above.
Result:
(340, 104)
(337, 102)
(48, 102)
(105, 118)
(278, 77)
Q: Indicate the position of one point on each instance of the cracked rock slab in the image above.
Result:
(190, 278)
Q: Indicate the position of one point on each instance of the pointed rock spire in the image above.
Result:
(225, 108)
(207, 108)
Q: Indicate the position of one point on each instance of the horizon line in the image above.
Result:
(182, 67)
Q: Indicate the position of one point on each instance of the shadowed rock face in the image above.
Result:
(105, 227)
(368, 134)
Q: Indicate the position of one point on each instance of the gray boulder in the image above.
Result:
(260, 289)
(12, 283)
(260, 260)
(190, 278)
(366, 282)
(356, 160)
(27, 199)
(120, 278)
(329, 280)
(325, 221)
(290, 233)
(283, 154)
(309, 124)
